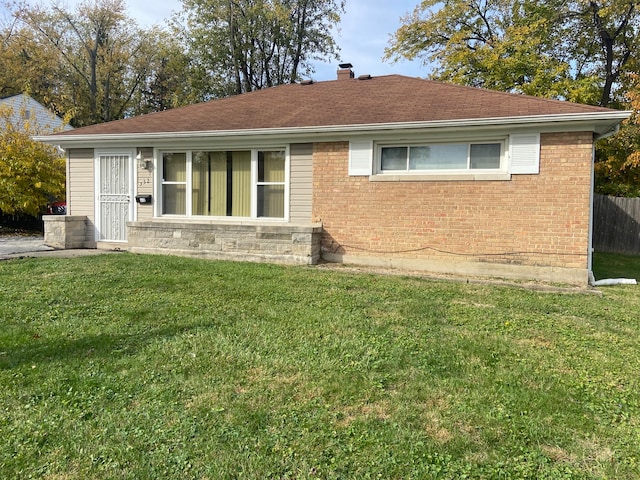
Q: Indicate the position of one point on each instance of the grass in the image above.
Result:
(129, 366)
(612, 265)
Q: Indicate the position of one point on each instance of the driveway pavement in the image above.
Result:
(18, 246)
(15, 244)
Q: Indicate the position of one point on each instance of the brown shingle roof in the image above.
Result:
(385, 99)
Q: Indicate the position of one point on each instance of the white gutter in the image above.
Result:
(614, 117)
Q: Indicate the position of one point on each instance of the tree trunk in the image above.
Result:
(232, 48)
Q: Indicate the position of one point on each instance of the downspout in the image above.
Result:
(596, 137)
(592, 192)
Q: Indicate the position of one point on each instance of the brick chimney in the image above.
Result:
(345, 72)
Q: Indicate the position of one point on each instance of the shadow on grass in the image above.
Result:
(615, 265)
(38, 350)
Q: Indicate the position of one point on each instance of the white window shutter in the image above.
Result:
(525, 153)
(360, 157)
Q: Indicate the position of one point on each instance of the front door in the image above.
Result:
(114, 196)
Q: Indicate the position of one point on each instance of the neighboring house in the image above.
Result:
(24, 109)
(387, 171)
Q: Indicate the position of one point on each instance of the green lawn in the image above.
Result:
(139, 367)
(611, 265)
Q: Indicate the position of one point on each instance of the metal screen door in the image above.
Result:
(114, 196)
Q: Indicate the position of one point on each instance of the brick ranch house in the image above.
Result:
(383, 171)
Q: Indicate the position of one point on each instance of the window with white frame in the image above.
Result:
(444, 157)
(233, 183)
(174, 183)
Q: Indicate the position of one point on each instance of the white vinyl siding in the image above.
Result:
(144, 186)
(301, 189)
(80, 188)
(27, 110)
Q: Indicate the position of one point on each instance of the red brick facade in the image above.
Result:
(531, 220)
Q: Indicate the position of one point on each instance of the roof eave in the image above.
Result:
(601, 123)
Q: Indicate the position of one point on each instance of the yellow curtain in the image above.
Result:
(174, 167)
(273, 201)
(218, 175)
(209, 183)
(241, 184)
(273, 166)
(199, 183)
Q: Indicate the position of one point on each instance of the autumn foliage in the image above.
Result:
(618, 170)
(32, 173)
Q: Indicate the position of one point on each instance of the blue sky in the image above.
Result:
(362, 34)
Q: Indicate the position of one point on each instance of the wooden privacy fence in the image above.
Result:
(616, 225)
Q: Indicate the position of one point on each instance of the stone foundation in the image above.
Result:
(290, 244)
(65, 231)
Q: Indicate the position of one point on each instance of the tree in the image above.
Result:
(27, 65)
(618, 173)
(165, 85)
(238, 46)
(98, 48)
(31, 173)
(101, 60)
(615, 24)
(577, 50)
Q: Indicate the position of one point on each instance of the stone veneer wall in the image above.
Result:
(65, 231)
(289, 244)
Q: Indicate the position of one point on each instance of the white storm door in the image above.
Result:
(114, 196)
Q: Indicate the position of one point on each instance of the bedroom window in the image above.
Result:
(237, 183)
(442, 157)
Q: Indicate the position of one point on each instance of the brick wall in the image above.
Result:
(534, 220)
